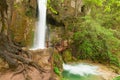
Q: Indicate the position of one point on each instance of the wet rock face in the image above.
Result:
(20, 17)
(66, 8)
(59, 23)
(33, 3)
(63, 9)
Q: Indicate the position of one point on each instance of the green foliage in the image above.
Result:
(114, 60)
(105, 11)
(92, 41)
(52, 10)
(58, 62)
(64, 79)
(117, 78)
(62, 1)
(50, 7)
(96, 36)
(16, 6)
(57, 71)
(30, 12)
(94, 2)
(67, 56)
(57, 57)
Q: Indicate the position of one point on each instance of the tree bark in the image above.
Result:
(13, 54)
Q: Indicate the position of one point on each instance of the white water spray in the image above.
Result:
(39, 39)
(81, 69)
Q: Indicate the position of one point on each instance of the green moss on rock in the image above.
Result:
(58, 62)
(67, 56)
(23, 22)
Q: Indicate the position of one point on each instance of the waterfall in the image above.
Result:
(39, 39)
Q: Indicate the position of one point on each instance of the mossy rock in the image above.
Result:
(116, 69)
(67, 56)
(3, 65)
(58, 62)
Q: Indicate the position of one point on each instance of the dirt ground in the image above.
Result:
(39, 56)
(33, 73)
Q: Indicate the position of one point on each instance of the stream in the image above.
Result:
(81, 71)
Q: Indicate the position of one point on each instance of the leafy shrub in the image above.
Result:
(64, 79)
(56, 70)
(92, 41)
(117, 78)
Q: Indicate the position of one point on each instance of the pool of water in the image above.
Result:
(81, 72)
(70, 76)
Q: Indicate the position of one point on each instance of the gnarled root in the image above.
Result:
(18, 71)
(16, 56)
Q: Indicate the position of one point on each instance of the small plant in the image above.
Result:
(51, 8)
(56, 70)
(64, 79)
(117, 78)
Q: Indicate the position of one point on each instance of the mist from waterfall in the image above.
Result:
(39, 37)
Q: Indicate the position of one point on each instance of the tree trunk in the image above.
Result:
(10, 52)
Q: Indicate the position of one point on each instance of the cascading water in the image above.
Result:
(81, 72)
(81, 69)
(39, 39)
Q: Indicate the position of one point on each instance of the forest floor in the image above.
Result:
(33, 75)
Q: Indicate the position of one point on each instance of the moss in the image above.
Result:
(67, 56)
(57, 71)
(58, 60)
(116, 69)
(3, 65)
(23, 22)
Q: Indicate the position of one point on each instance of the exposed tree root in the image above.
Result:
(19, 71)
(16, 57)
